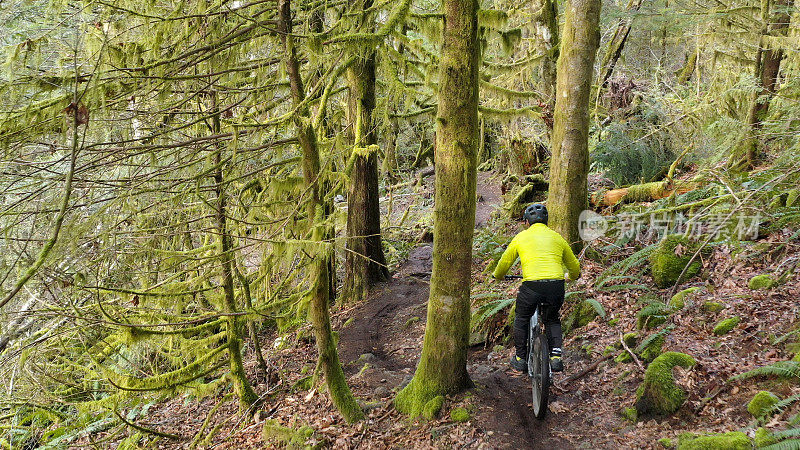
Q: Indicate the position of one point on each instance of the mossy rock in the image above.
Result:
(652, 316)
(759, 282)
(631, 339)
(712, 307)
(653, 349)
(459, 415)
(793, 197)
(778, 200)
(629, 414)
(291, 438)
(623, 357)
(678, 301)
(764, 438)
(666, 443)
(585, 313)
(725, 326)
(734, 440)
(666, 265)
(658, 395)
(580, 316)
(762, 403)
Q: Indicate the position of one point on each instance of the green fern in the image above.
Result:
(489, 309)
(791, 444)
(783, 369)
(597, 307)
(623, 266)
(657, 335)
(782, 405)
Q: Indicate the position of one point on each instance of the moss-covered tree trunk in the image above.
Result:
(617, 44)
(569, 164)
(685, 74)
(241, 385)
(768, 63)
(442, 367)
(320, 294)
(365, 263)
(545, 22)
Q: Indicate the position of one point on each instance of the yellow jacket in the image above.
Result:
(543, 254)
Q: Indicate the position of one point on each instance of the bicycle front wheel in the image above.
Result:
(540, 375)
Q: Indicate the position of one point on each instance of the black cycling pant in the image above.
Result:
(548, 293)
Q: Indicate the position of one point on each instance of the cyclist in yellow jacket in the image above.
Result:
(543, 255)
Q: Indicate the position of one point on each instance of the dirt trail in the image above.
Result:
(381, 346)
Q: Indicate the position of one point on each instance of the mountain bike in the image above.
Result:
(538, 360)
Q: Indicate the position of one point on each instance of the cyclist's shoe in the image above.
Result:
(556, 363)
(519, 364)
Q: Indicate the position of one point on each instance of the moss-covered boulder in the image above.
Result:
(793, 198)
(712, 307)
(658, 395)
(629, 414)
(725, 326)
(678, 301)
(275, 433)
(764, 438)
(582, 315)
(459, 415)
(734, 440)
(762, 404)
(778, 200)
(652, 315)
(651, 347)
(671, 257)
(631, 340)
(759, 282)
(666, 443)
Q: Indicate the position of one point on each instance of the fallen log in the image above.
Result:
(646, 192)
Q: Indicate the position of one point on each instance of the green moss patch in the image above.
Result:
(759, 282)
(671, 257)
(658, 394)
(792, 198)
(666, 443)
(276, 433)
(629, 414)
(712, 307)
(678, 301)
(734, 440)
(432, 407)
(459, 415)
(762, 403)
(725, 326)
(764, 438)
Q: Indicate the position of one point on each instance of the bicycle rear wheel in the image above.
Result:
(540, 375)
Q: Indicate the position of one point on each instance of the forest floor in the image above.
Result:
(381, 339)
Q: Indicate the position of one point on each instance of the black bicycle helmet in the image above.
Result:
(535, 213)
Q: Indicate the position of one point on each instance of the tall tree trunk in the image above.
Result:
(545, 22)
(442, 367)
(768, 63)
(241, 385)
(390, 153)
(617, 44)
(570, 161)
(365, 263)
(315, 210)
